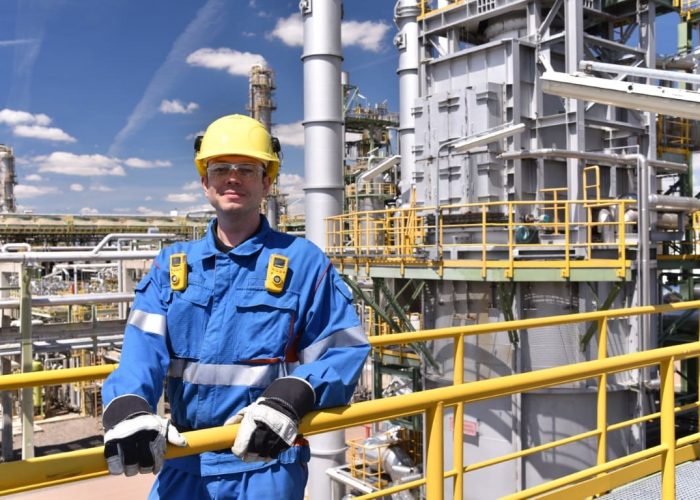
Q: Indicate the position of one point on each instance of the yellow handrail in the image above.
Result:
(55, 469)
(496, 234)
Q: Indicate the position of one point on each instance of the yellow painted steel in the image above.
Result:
(20, 476)
(399, 236)
(458, 427)
(668, 430)
(54, 377)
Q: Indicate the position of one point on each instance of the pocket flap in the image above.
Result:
(248, 298)
(197, 294)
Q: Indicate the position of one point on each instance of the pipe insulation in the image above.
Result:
(323, 115)
(406, 40)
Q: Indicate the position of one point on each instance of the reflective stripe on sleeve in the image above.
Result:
(342, 338)
(148, 322)
(226, 375)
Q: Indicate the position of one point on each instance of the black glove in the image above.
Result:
(269, 425)
(135, 440)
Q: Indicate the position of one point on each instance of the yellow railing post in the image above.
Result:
(668, 430)
(621, 238)
(458, 427)
(602, 420)
(509, 270)
(483, 241)
(434, 462)
(566, 272)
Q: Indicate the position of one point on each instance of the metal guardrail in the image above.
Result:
(64, 467)
(405, 236)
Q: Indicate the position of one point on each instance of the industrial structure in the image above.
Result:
(539, 167)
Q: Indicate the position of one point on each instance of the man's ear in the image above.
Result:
(205, 182)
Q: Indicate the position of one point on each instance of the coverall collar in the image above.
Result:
(248, 247)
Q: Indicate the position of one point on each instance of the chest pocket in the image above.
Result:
(264, 323)
(188, 314)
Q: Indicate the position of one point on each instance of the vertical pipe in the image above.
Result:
(668, 431)
(406, 41)
(323, 141)
(6, 401)
(434, 467)
(323, 171)
(25, 315)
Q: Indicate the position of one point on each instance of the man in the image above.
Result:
(245, 325)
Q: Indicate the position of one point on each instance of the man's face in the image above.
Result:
(234, 192)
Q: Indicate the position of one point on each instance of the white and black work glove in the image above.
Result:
(270, 425)
(137, 444)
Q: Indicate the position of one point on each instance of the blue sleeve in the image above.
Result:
(333, 345)
(136, 385)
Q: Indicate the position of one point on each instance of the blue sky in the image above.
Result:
(100, 100)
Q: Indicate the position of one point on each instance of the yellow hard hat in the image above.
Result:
(237, 135)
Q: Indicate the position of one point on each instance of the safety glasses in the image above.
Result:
(222, 171)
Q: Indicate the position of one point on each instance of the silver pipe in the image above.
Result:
(15, 246)
(666, 166)
(323, 171)
(135, 236)
(29, 257)
(675, 203)
(674, 76)
(323, 116)
(406, 41)
(65, 300)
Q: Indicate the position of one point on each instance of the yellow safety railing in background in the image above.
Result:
(64, 467)
(404, 236)
(687, 7)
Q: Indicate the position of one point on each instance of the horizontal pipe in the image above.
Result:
(67, 300)
(666, 166)
(134, 236)
(54, 377)
(32, 257)
(681, 203)
(672, 76)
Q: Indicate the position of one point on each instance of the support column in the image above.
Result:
(6, 402)
(575, 123)
(25, 315)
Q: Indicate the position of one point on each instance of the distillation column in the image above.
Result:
(7, 170)
(323, 171)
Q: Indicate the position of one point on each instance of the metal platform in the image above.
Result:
(687, 485)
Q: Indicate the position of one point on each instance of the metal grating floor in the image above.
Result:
(687, 485)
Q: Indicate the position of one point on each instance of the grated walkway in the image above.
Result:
(687, 485)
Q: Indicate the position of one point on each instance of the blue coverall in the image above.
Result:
(223, 340)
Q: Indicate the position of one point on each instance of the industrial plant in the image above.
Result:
(520, 238)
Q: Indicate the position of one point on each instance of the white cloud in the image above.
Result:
(292, 185)
(40, 132)
(149, 211)
(77, 187)
(234, 62)
(367, 35)
(101, 189)
(23, 191)
(149, 198)
(20, 41)
(290, 30)
(182, 198)
(61, 162)
(190, 137)
(140, 163)
(33, 178)
(89, 211)
(177, 107)
(192, 186)
(14, 117)
(289, 134)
